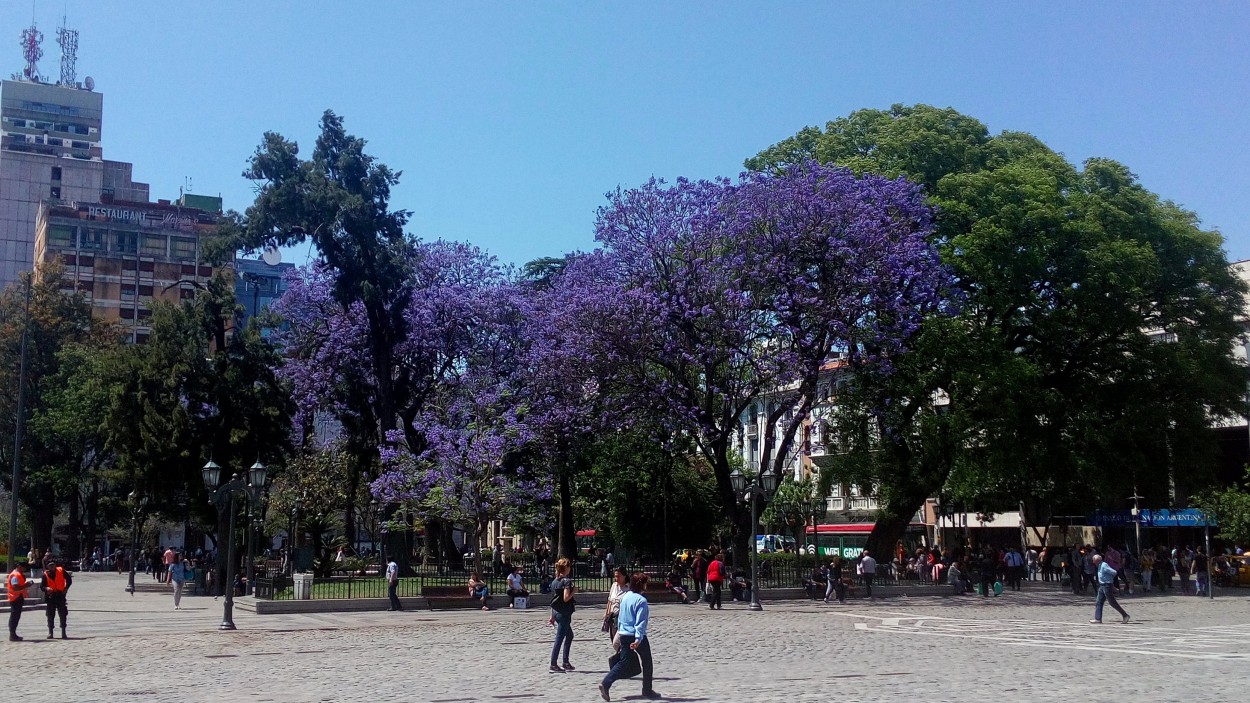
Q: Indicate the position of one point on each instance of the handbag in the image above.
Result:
(708, 590)
(633, 666)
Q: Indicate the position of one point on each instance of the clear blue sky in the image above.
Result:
(511, 120)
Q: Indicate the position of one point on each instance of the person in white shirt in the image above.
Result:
(867, 572)
(620, 586)
(392, 582)
(516, 586)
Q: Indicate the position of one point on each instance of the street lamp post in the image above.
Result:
(1136, 519)
(137, 507)
(291, 535)
(751, 488)
(820, 509)
(223, 496)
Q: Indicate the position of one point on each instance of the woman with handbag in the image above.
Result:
(562, 607)
(620, 586)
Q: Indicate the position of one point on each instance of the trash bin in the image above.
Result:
(303, 586)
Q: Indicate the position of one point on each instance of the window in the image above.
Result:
(56, 173)
(56, 192)
(80, 145)
(145, 291)
(153, 244)
(126, 313)
(125, 242)
(60, 236)
(183, 248)
(128, 291)
(94, 239)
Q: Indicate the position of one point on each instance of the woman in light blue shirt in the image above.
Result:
(631, 624)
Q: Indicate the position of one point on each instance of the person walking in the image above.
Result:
(562, 607)
(17, 587)
(835, 586)
(168, 560)
(1106, 590)
(55, 585)
(620, 586)
(699, 571)
(392, 583)
(716, 574)
(867, 572)
(1147, 566)
(177, 578)
(1014, 562)
(1202, 576)
(634, 616)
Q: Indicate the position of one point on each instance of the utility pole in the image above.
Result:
(20, 429)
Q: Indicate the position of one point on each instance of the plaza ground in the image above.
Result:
(1034, 645)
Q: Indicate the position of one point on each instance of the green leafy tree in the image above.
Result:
(1230, 508)
(1094, 341)
(58, 320)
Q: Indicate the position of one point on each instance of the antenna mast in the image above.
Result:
(68, 39)
(31, 39)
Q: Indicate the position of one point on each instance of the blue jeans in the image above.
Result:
(564, 636)
(1106, 595)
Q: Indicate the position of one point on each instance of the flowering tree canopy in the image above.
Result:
(708, 294)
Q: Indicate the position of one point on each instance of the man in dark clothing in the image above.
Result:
(55, 585)
(699, 569)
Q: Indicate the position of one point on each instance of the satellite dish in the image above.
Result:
(271, 255)
(90, 83)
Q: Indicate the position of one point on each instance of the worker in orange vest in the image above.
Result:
(17, 585)
(56, 583)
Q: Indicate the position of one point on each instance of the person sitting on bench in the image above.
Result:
(478, 589)
(673, 583)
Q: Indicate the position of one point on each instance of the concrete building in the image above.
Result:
(124, 255)
(50, 150)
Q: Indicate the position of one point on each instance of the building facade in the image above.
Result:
(50, 150)
(123, 256)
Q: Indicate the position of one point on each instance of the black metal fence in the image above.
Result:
(773, 574)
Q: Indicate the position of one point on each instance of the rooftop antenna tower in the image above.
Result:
(31, 39)
(68, 39)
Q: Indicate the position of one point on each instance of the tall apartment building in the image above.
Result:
(124, 255)
(50, 150)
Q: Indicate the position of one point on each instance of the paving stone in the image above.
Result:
(1033, 645)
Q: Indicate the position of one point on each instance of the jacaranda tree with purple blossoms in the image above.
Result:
(708, 294)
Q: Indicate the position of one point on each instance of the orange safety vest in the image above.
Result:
(16, 585)
(55, 580)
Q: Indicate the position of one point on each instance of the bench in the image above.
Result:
(659, 594)
(437, 597)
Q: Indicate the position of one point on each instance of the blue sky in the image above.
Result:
(511, 120)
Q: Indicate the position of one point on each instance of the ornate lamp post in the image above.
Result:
(752, 488)
(255, 523)
(819, 510)
(137, 507)
(223, 496)
(292, 537)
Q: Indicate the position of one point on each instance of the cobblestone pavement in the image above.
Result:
(1033, 645)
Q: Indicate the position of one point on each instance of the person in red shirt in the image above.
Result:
(170, 556)
(716, 573)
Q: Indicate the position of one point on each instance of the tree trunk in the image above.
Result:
(41, 517)
(73, 543)
(567, 534)
(893, 517)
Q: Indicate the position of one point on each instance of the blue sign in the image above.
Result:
(1185, 517)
